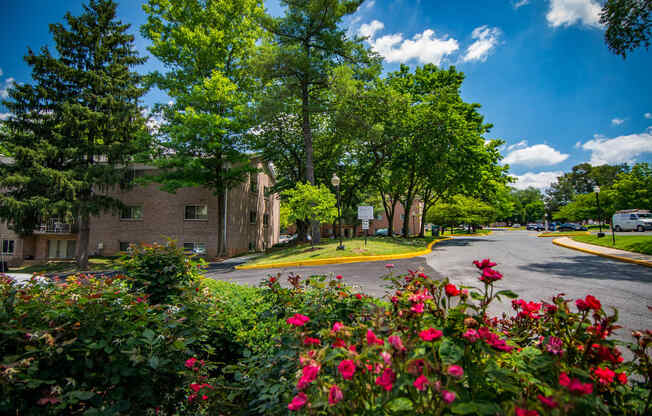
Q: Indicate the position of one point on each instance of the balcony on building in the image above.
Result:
(56, 226)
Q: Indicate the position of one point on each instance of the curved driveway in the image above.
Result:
(536, 269)
(532, 267)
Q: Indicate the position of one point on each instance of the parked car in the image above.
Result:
(569, 226)
(517, 225)
(535, 227)
(552, 226)
(381, 232)
(634, 220)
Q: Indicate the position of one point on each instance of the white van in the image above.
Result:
(634, 220)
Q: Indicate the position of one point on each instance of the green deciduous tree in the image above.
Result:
(633, 190)
(307, 43)
(206, 48)
(306, 202)
(76, 128)
(629, 25)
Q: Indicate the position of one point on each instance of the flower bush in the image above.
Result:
(436, 351)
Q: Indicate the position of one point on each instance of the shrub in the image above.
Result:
(95, 346)
(435, 351)
(160, 270)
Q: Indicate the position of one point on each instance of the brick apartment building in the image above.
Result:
(188, 216)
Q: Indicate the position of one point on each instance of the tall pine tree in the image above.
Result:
(76, 128)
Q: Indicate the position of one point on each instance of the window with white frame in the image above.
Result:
(133, 212)
(196, 212)
(8, 246)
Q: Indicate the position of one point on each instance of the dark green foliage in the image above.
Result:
(160, 271)
(629, 25)
(76, 128)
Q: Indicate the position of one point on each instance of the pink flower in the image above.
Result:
(190, 362)
(337, 326)
(338, 277)
(298, 320)
(525, 412)
(451, 290)
(622, 378)
(456, 371)
(448, 396)
(471, 335)
(418, 308)
(387, 357)
(372, 339)
(386, 380)
(204, 397)
(604, 375)
(311, 341)
(334, 395)
(359, 296)
(554, 346)
(396, 342)
(339, 343)
(298, 401)
(389, 265)
(346, 369)
(484, 264)
(490, 275)
(575, 386)
(547, 401)
(430, 334)
(421, 382)
(309, 374)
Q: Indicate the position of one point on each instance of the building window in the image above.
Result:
(124, 246)
(265, 220)
(252, 246)
(194, 248)
(253, 183)
(133, 174)
(252, 217)
(196, 212)
(132, 213)
(8, 246)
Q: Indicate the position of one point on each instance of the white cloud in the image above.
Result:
(621, 149)
(423, 47)
(368, 30)
(537, 155)
(486, 40)
(617, 121)
(521, 3)
(370, 4)
(539, 180)
(647, 115)
(569, 12)
(519, 145)
(4, 91)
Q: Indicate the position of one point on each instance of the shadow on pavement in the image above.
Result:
(461, 242)
(592, 267)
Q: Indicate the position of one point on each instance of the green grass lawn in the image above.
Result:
(562, 233)
(94, 264)
(636, 243)
(376, 246)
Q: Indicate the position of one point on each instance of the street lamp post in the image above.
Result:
(596, 189)
(336, 183)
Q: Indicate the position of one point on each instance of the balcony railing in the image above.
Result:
(55, 226)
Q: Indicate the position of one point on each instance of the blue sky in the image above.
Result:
(539, 68)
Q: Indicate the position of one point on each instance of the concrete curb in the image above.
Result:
(342, 260)
(596, 253)
(543, 235)
(471, 235)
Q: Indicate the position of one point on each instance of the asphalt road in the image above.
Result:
(532, 267)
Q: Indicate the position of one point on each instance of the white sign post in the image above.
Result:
(365, 213)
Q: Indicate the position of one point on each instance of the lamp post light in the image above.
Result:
(336, 183)
(596, 189)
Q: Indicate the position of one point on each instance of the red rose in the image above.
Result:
(451, 290)
(430, 334)
(298, 401)
(346, 369)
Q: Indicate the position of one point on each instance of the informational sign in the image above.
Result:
(365, 224)
(365, 212)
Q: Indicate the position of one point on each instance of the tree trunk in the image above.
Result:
(84, 239)
(302, 231)
(307, 142)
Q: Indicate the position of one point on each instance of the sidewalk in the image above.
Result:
(610, 253)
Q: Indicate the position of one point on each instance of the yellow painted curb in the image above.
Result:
(471, 235)
(341, 260)
(609, 256)
(562, 235)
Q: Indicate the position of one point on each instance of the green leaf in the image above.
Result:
(400, 404)
(450, 352)
(153, 362)
(148, 334)
(82, 395)
(507, 293)
(464, 408)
